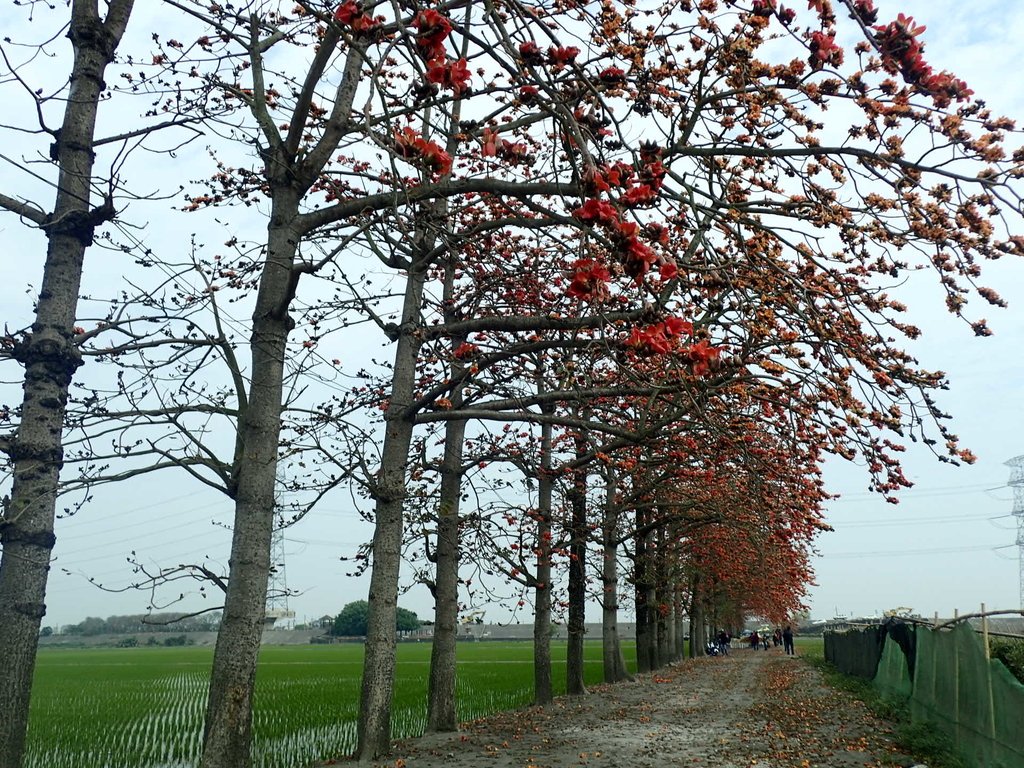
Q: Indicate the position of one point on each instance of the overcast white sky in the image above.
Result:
(948, 545)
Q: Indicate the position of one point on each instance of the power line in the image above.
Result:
(77, 522)
(884, 521)
(324, 542)
(905, 552)
(917, 493)
(110, 555)
(118, 528)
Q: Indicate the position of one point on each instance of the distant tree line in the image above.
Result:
(351, 622)
(144, 622)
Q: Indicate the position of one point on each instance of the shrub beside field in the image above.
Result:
(1011, 653)
(143, 707)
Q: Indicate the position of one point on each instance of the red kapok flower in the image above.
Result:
(866, 11)
(450, 74)
(366, 23)
(559, 57)
(656, 233)
(432, 30)
(649, 152)
(350, 14)
(516, 152)
(638, 195)
(491, 142)
(651, 340)
(619, 174)
(653, 174)
(347, 12)
(435, 158)
(824, 50)
(528, 94)
(896, 41)
(405, 143)
(595, 182)
(637, 257)
(595, 211)
(676, 326)
(612, 76)
(943, 88)
(418, 151)
(466, 350)
(589, 280)
(530, 53)
(703, 356)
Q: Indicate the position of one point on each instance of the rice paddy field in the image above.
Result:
(143, 707)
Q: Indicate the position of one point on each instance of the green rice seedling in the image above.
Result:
(143, 707)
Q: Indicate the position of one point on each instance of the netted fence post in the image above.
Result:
(988, 675)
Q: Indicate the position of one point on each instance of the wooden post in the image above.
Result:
(988, 678)
(956, 684)
(984, 632)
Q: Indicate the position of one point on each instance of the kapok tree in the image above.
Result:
(727, 142)
(755, 558)
(532, 380)
(398, 215)
(64, 118)
(717, 178)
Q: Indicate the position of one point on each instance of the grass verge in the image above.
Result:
(922, 741)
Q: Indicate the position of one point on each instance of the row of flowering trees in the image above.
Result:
(636, 239)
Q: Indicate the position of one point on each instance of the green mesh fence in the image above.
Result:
(975, 700)
(854, 651)
(953, 687)
(893, 677)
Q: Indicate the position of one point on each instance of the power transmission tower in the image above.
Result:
(277, 581)
(1017, 483)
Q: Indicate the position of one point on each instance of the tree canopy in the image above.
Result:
(661, 248)
(351, 622)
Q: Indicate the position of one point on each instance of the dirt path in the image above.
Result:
(752, 708)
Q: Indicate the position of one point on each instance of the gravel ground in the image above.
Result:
(752, 708)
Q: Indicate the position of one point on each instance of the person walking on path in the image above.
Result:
(723, 642)
(787, 640)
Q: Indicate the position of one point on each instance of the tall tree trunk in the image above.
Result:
(680, 624)
(441, 690)
(653, 616)
(669, 645)
(374, 730)
(50, 358)
(227, 737)
(650, 600)
(542, 690)
(576, 628)
(664, 598)
(641, 576)
(711, 602)
(697, 639)
(611, 646)
(441, 715)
